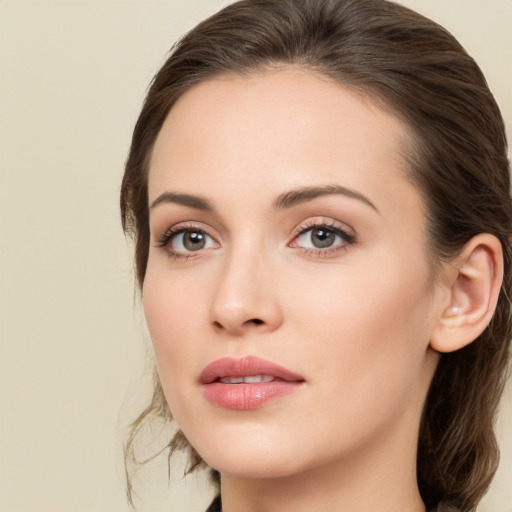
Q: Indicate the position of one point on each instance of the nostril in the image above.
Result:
(235, 325)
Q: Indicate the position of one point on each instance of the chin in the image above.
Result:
(255, 467)
(249, 456)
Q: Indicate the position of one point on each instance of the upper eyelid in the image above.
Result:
(310, 225)
(327, 222)
(183, 226)
(164, 237)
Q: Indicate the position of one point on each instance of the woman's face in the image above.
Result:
(288, 294)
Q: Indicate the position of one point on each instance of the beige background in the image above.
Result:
(72, 355)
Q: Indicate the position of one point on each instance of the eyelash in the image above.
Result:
(330, 226)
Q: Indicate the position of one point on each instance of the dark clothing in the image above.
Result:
(216, 506)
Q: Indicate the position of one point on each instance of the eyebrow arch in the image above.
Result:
(197, 202)
(302, 195)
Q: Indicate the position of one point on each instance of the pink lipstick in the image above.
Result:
(247, 383)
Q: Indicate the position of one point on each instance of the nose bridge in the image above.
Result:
(245, 297)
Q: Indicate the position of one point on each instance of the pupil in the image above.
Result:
(194, 240)
(322, 238)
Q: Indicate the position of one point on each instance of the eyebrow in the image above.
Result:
(303, 195)
(196, 202)
(283, 202)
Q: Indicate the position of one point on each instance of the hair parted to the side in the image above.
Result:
(415, 69)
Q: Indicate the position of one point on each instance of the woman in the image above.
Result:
(319, 195)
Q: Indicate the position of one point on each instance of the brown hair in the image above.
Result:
(416, 69)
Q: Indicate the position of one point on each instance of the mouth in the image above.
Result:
(247, 383)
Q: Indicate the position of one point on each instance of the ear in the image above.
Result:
(473, 284)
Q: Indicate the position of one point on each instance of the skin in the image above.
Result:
(355, 320)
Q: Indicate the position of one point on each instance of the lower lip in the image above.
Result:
(246, 396)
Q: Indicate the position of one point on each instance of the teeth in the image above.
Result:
(232, 380)
(258, 378)
(248, 380)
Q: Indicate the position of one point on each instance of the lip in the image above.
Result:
(246, 396)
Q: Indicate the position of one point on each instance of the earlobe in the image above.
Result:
(473, 294)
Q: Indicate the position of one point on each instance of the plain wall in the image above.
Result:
(73, 344)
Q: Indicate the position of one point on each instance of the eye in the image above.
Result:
(318, 238)
(191, 240)
(322, 238)
(183, 241)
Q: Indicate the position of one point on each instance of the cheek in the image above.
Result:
(171, 314)
(367, 337)
(171, 318)
(373, 323)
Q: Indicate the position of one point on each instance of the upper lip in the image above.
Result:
(245, 367)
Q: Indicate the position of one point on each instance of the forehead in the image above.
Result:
(278, 130)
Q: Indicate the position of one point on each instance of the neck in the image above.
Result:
(380, 485)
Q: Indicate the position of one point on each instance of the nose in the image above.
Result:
(246, 296)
